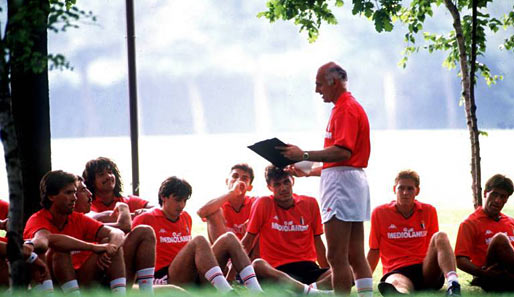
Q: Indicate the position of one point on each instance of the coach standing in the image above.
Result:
(344, 188)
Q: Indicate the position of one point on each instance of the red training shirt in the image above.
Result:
(4, 209)
(348, 127)
(133, 202)
(77, 225)
(402, 242)
(476, 232)
(238, 221)
(171, 236)
(286, 235)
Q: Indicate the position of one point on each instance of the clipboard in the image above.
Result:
(267, 150)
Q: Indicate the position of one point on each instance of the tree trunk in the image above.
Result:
(14, 179)
(470, 106)
(25, 121)
(31, 109)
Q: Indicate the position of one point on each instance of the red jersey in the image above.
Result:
(348, 127)
(77, 225)
(237, 221)
(477, 231)
(171, 236)
(4, 209)
(286, 235)
(400, 241)
(133, 202)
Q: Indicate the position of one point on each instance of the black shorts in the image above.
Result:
(305, 272)
(162, 274)
(415, 274)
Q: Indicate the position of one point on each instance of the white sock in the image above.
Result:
(364, 287)
(71, 287)
(216, 278)
(119, 286)
(249, 278)
(312, 289)
(452, 276)
(45, 287)
(144, 279)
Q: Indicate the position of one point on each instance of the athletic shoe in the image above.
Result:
(387, 289)
(453, 289)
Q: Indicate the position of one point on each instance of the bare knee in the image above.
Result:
(200, 242)
(260, 266)
(228, 239)
(336, 259)
(500, 239)
(440, 239)
(144, 232)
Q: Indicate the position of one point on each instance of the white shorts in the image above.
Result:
(344, 194)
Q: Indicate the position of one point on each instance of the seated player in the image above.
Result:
(404, 236)
(58, 196)
(181, 259)
(102, 178)
(485, 240)
(289, 229)
(230, 211)
(138, 246)
(39, 273)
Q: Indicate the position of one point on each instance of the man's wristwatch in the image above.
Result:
(306, 155)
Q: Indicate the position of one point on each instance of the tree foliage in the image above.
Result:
(60, 16)
(311, 14)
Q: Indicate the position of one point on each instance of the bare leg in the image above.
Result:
(228, 246)
(357, 258)
(402, 283)
(338, 235)
(195, 258)
(324, 282)
(439, 258)
(62, 267)
(215, 225)
(267, 272)
(501, 252)
(139, 251)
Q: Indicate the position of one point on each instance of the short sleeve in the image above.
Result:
(434, 223)
(257, 216)
(464, 244)
(90, 227)
(136, 203)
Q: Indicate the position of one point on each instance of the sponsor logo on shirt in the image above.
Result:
(392, 226)
(328, 135)
(487, 232)
(289, 226)
(406, 233)
(275, 218)
(175, 238)
(162, 230)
